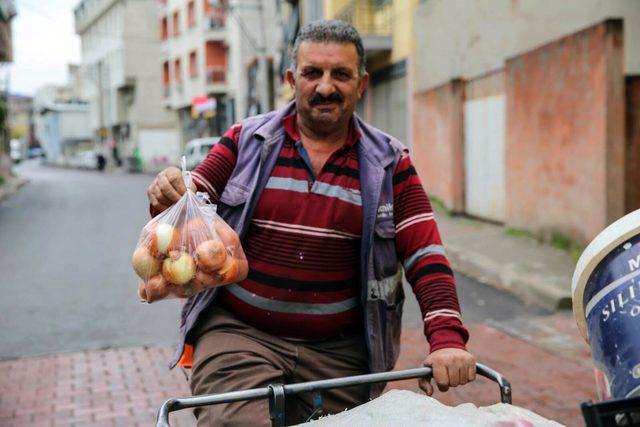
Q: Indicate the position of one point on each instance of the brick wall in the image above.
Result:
(565, 134)
(438, 144)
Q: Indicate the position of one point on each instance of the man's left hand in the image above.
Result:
(451, 367)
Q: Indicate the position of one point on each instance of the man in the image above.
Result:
(326, 207)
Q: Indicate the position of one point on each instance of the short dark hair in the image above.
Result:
(329, 31)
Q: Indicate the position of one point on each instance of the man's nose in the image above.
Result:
(326, 86)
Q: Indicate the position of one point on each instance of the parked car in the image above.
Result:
(84, 160)
(197, 149)
(35, 152)
(17, 150)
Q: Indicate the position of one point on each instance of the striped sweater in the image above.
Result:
(304, 238)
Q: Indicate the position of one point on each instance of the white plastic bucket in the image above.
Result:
(606, 305)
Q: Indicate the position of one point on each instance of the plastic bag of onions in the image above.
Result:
(186, 249)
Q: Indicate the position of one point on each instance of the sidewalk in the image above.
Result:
(536, 273)
(11, 186)
(116, 387)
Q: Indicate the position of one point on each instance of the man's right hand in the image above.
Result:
(167, 188)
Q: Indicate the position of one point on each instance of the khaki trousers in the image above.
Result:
(230, 355)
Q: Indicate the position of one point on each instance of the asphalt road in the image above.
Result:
(65, 277)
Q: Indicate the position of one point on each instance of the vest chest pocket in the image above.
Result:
(385, 260)
(232, 203)
(234, 194)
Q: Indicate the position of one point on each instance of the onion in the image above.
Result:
(157, 288)
(204, 280)
(210, 255)
(229, 271)
(227, 235)
(142, 291)
(144, 263)
(165, 238)
(179, 268)
(243, 269)
(182, 291)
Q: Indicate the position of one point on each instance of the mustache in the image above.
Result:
(319, 99)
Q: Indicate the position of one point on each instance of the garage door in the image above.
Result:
(484, 136)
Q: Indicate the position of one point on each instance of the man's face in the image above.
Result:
(327, 84)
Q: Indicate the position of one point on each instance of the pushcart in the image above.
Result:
(276, 393)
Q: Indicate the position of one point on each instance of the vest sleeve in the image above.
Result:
(427, 269)
(212, 174)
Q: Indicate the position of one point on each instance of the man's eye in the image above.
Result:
(311, 74)
(343, 75)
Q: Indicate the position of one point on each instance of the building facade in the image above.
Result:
(21, 118)
(519, 111)
(120, 46)
(61, 122)
(217, 61)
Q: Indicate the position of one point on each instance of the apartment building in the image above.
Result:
(120, 46)
(217, 61)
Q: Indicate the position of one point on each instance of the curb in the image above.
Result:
(533, 288)
(12, 186)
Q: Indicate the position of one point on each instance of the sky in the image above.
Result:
(44, 42)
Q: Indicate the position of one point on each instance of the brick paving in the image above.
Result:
(546, 363)
(116, 387)
(549, 369)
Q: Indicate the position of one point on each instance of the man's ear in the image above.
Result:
(364, 80)
(291, 79)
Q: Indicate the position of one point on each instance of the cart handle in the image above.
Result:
(276, 392)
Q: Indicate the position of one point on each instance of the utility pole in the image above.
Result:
(263, 66)
(100, 106)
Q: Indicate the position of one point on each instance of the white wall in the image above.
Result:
(74, 125)
(467, 38)
(159, 148)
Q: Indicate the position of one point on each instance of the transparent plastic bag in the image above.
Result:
(186, 249)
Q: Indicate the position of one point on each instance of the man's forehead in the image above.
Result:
(327, 54)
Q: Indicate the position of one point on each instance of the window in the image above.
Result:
(165, 77)
(165, 72)
(193, 64)
(176, 23)
(177, 71)
(191, 14)
(216, 63)
(164, 29)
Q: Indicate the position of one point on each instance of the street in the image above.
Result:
(68, 286)
(67, 282)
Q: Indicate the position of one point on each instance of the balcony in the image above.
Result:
(216, 78)
(374, 23)
(166, 90)
(213, 23)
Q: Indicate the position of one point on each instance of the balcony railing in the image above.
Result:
(216, 74)
(367, 17)
(214, 20)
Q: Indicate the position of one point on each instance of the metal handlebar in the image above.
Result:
(276, 392)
